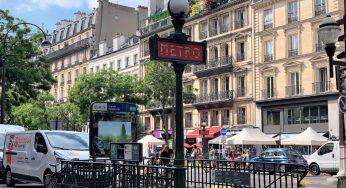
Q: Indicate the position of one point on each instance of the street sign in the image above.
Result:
(126, 152)
(113, 107)
(183, 52)
(223, 131)
(342, 104)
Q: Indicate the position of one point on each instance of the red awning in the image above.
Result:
(212, 132)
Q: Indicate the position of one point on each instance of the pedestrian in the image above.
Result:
(212, 153)
(166, 155)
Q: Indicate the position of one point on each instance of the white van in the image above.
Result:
(4, 128)
(325, 159)
(28, 154)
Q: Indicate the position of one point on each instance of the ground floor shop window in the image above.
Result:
(271, 117)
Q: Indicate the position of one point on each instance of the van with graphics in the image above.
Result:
(28, 155)
(4, 128)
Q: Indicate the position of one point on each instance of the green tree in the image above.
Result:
(29, 115)
(106, 85)
(27, 72)
(69, 114)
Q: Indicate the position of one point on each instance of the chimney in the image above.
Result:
(102, 48)
(118, 41)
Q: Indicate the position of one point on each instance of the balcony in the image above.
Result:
(213, 32)
(292, 52)
(268, 25)
(320, 9)
(156, 106)
(268, 57)
(85, 43)
(318, 47)
(156, 25)
(241, 92)
(203, 35)
(213, 66)
(292, 17)
(268, 94)
(240, 57)
(239, 24)
(214, 97)
(320, 87)
(224, 28)
(294, 90)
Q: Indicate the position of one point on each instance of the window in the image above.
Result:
(69, 60)
(320, 7)
(76, 75)
(225, 84)
(321, 85)
(269, 90)
(111, 65)
(215, 118)
(327, 148)
(40, 143)
(204, 118)
(75, 27)
(188, 119)
(268, 50)
(204, 88)
(203, 31)
(147, 123)
(68, 31)
(54, 37)
(271, 117)
(188, 31)
(213, 27)
(293, 45)
(225, 117)
(62, 94)
(226, 51)
(135, 59)
(157, 123)
(268, 19)
(293, 115)
(292, 11)
(91, 70)
(127, 60)
(104, 66)
(241, 115)
(69, 77)
(214, 89)
(62, 78)
(240, 19)
(97, 68)
(77, 57)
(294, 89)
(62, 34)
(82, 25)
(84, 70)
(225, 24)
(90, 20)
(240, 51)
(241, 86)
(119, 64)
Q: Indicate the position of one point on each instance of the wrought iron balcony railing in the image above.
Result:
(203, 35)
(321, 87)
(213, 63)
(224, 28)
(214, 96)
(240, 57)
(269, 93)
(241, 120)
(239, 24)
(268, 57)
(292, 52)
(70, 49)
(213, 32)
(293, 90)
(241, 92)
(156, 25)
(320, 9)
(268, 25)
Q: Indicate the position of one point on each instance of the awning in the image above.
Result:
(284, 136)
(158, 133)
(212, 132)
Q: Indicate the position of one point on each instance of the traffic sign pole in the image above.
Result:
(342, 109)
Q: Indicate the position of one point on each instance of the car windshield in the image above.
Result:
(2, 141)
(68, 140)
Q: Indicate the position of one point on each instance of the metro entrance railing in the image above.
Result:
(199, 173)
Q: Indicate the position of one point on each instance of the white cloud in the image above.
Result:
(33, 5)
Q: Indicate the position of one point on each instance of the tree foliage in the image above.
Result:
(106, 85)
(27, 73)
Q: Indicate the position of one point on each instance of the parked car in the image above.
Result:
(4, 128)
(277, 156)
(325, 159)
(29, 154)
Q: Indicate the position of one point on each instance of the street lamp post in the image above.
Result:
(328, 33)
(44, 44)
(203, 132)
(178, 10)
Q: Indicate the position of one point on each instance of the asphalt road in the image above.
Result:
(310, 182)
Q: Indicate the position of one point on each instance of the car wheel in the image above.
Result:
(315, 169)
(9, 180)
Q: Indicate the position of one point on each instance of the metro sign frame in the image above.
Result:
(182, 52)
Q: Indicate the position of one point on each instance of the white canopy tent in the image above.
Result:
(218, 139)
(147, 141)
(251, 136)
(307, 138)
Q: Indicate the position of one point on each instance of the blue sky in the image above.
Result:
(45, 13)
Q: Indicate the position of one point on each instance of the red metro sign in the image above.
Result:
(184, 52)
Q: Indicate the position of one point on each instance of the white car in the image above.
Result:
(28, 155)
(325, 159)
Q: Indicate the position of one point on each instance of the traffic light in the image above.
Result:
(340, 78)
